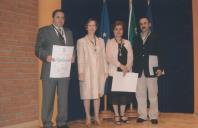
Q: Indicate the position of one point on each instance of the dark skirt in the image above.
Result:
(119, 98)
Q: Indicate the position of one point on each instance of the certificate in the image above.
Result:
(153, 62)
(127, 83)
(60, 67)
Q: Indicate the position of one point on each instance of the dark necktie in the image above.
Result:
(60, 35)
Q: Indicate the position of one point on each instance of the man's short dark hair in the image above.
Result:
(56, 11)
(146, 17)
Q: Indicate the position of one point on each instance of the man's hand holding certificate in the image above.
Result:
(61, 64)
(154, 68)
(124, 83)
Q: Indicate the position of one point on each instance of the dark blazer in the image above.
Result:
(46, 38)
(141, 54)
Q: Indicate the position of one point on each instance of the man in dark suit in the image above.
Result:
(48, 36)
(146, 45)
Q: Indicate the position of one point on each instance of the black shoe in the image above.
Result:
(64, 126)
(154, 121)
(140, 120)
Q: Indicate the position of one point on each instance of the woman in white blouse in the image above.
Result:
(119, 57)
(92, 69)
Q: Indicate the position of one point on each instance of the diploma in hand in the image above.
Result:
(153, 64)
(127, 83)
(60, 67)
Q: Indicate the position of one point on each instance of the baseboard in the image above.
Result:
(31, 124)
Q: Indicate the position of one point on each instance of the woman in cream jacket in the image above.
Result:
(92, 69)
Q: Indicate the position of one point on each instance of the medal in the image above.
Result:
(120, 51)
(93, 43)
(120, 47)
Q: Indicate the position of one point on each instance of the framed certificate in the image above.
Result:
(61, 66)
(127, 83)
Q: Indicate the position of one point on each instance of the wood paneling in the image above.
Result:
(195, 46)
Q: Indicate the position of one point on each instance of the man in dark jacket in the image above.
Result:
(147, 52)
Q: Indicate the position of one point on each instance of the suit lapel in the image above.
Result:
(140, 40)
(67, 36)
(53, 33)
(147, 40)
(55, 36)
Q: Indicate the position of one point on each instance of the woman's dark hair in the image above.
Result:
(89, 20)
(119, 23)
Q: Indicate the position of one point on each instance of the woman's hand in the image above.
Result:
(73, 60)
(125, 72)
(106, 75)
(124, 69)
(81, 77)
